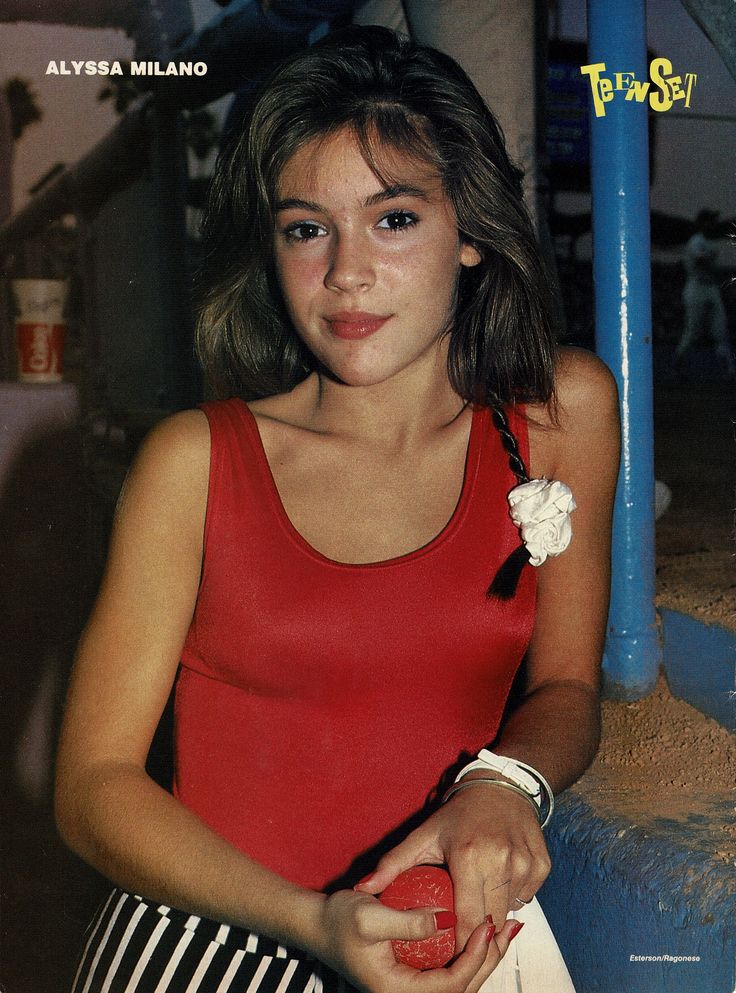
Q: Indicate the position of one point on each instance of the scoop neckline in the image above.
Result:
(472, 461)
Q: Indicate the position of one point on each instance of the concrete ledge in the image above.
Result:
(620, 889)
(700, 662)
(632, 891)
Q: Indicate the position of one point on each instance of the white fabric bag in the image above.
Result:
(534, 962)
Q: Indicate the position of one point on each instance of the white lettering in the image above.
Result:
(676, 959)
(168, 69)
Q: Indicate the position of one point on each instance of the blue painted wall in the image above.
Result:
(618, 891)
(700, 662)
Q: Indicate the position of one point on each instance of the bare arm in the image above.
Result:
(108, 809)
(556, 726)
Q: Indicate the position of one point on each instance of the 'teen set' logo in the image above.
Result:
(662, 88)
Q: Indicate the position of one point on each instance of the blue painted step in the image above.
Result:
(700, 661)
(632, 893)
(618, 891)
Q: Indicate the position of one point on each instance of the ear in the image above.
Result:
(469, 254)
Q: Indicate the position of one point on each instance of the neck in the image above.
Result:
(395, 413)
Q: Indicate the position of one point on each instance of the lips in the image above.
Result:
(354, 325)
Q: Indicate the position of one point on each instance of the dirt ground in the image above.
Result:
(663, 762)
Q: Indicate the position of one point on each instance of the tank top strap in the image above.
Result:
(236, 442)
(240, 484)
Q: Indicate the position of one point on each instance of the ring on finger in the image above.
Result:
(522, 903)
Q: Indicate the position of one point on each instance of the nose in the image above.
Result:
(351, 265)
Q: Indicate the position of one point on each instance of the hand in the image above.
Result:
(357, 932)
(493, 847)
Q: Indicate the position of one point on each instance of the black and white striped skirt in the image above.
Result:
(136, 946)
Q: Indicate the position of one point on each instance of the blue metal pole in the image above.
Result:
(621, 274)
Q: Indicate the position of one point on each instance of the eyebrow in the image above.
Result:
(388, 193)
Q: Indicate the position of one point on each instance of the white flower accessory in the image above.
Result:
(541, 510)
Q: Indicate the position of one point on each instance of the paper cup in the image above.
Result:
(40, 329)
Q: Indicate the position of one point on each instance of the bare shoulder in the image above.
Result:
(171, 469)
(584, 417)
(179, 441)
(184, 435)
(585, 387)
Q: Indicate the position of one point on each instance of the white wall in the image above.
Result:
(73, 118)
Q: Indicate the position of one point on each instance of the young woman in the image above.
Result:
(309, 559)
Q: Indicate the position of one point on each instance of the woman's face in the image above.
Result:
(368, 272)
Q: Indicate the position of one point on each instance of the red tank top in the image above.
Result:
(319, 703)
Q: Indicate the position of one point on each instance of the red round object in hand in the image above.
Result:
(423, 886)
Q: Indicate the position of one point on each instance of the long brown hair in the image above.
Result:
(392, 94)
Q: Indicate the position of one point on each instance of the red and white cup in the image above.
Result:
(40, 329)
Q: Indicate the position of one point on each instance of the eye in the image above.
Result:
(398, 220)
(304, 231)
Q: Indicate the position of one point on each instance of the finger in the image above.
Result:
(375, 923)
(528, 869)
(496, 898)
(523, 872)
(463, 970)
(409, 853)
(498, 948)
(480, 953)
(470, 905)
(506, 934)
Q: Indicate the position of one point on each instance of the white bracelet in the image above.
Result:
(509, 768)
(525, 776)
(494, 782)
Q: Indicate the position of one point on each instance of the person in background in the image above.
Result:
(701, 295)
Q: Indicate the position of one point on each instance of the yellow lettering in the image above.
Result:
(593, 71)
(691, 79)
(677, 91)
(658, 70)
(623, 80)
(638, 91)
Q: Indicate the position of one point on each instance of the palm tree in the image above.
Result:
(121, 90)
(23, 107)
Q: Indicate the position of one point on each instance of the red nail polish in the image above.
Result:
(488, 919)
(514, 929)
(444, 919)
(365, 879)
(490, 932)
